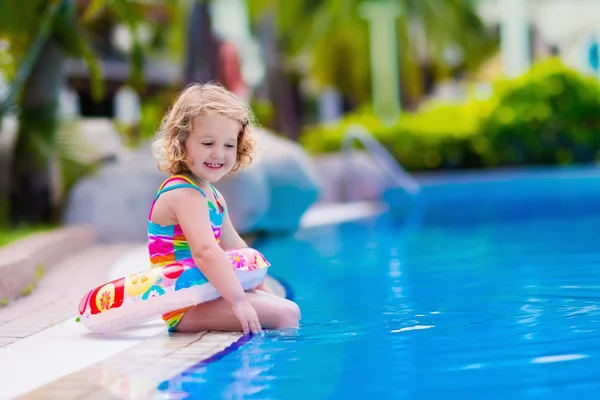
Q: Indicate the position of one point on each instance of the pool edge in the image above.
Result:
(103, 378)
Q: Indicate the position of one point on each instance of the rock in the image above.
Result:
(248, 197)
(353, 178)
(271, 195)
(293, 182)
(115, 201)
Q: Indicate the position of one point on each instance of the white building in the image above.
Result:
(536, 27)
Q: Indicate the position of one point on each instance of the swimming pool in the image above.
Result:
(491, 297)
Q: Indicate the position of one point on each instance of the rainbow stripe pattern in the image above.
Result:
(167, 244)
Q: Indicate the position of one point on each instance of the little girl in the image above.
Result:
(204, 136)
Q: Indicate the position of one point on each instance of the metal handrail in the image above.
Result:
(381, 156)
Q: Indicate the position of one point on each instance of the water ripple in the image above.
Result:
(509, 309)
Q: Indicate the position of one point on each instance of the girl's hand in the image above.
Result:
(247, 316)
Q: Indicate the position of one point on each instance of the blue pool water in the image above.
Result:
(496, 302)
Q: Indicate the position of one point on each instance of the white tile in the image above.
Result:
(58, 351)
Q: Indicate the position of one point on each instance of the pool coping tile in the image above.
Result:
(155, 359)
(165, 355)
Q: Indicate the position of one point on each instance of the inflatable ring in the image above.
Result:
(139, 297)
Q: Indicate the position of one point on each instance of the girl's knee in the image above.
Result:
(288, 315)
(295, 310)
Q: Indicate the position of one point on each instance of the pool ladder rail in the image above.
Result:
(381, 156)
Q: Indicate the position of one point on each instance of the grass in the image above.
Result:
(9, 235)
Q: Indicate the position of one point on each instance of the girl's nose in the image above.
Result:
(217, 154)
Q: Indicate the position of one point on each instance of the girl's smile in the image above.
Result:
(214, 166)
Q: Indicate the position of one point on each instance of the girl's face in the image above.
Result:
(212, 146)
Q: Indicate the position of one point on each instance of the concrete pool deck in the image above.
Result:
(45, 353)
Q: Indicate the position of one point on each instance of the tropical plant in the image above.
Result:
(334, 37)
(548, 116)
(42, 35)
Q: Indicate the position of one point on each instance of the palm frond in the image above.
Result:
(27, 63)
(74, 41)
(131, 14)
(18, 17)
(94, 9)
(73, 146)
(336, 37)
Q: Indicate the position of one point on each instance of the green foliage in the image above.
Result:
(153, 108)
(74, 42)
(10, 234)
(21, 18)
(551, 115)
(421, 140)
(31, 29)
(75, 156)
(27, 47)
(264, 113)
(335, 38)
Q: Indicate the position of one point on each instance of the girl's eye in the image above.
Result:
(230, 146)
(207, 144)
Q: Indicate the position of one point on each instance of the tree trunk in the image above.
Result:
(30, 193)
(277, 84)
(202, 57)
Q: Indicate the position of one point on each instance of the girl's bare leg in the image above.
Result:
(279, 298)
(217, 315)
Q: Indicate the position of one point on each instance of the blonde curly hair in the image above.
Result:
(195, 100)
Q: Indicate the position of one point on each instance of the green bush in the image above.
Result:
(550, 115)
(435, 137)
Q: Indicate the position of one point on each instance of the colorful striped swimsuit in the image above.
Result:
(167, 244)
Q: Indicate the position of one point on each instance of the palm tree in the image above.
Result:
(334, 37)
(42, 35)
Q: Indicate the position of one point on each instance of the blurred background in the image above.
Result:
(442, 84)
